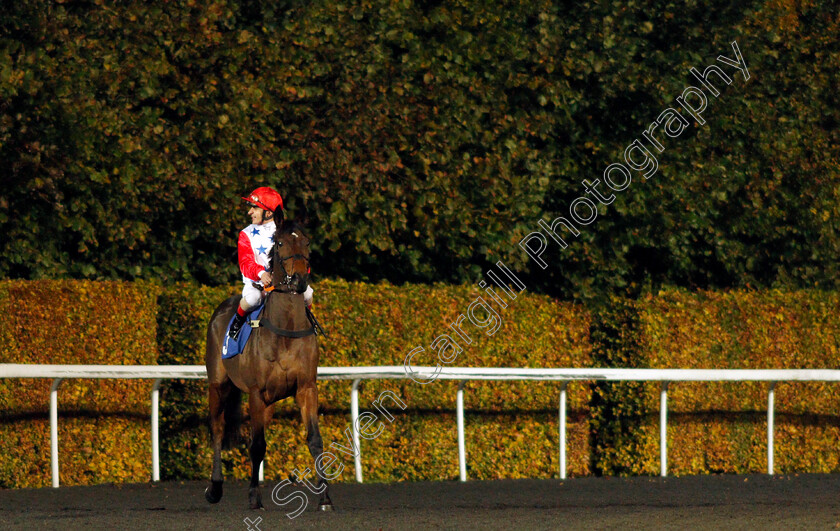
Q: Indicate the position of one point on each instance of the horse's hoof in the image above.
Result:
(255, 503)
(255, 499)
(326, 507)
(213, 493)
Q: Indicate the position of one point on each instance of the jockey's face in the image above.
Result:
(259, 216)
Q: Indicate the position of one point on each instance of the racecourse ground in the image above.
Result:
(809, 501)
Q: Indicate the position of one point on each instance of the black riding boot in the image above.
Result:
(236, 326)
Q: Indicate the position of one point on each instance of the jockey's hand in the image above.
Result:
(265, 278)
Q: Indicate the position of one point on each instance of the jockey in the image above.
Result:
(254, 250)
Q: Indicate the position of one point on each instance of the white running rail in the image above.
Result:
(462, 374)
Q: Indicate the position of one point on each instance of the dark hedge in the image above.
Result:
(424, 138)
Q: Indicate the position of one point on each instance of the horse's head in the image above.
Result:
(290, 257)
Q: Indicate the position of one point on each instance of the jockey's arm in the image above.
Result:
(247, 262)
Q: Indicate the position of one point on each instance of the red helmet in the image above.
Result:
(265, 198)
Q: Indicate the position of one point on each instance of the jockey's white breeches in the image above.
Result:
(253, 297)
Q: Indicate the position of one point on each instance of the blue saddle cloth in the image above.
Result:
(233, 347)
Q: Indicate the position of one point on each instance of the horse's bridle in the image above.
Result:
(287, 279)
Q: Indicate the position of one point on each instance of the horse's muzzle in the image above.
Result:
(299, 282)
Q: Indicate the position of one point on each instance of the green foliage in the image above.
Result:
(616, 409)
(183, 314)
(425, 139)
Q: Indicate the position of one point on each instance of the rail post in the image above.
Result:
(771, 396)
(462, 452)
(663, 430)
(155, 430)
(354, 420)
(54, 430)
(563, 430)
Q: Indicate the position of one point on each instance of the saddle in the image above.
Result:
(232, 347)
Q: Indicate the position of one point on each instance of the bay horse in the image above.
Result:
(272, 367)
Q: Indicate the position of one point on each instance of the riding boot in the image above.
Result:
(236, 326)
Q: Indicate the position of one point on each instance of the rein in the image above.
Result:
(265, 323)
(285, 283)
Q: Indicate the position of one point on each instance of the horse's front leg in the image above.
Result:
(218, 395)
(259, 411)
(307, 399)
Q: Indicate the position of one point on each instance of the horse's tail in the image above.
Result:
(233, 418)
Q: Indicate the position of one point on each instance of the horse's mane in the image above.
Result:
(288, 226)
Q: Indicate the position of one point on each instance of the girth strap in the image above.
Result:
(265, 323)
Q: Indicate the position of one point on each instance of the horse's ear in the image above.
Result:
(303, 215)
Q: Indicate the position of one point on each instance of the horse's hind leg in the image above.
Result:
(219, 395)
(307, 399)
(259, 411)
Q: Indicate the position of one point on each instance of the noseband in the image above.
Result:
(286, 278)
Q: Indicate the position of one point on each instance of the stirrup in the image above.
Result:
(236, 327)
